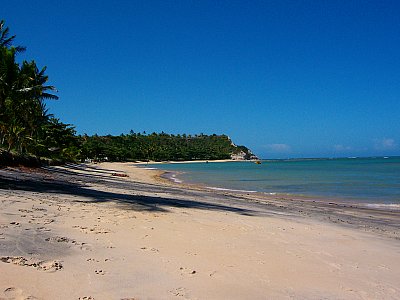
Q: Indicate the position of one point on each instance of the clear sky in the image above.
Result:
(285, 78)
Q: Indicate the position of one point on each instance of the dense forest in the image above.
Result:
(30, 135)
(160, 147)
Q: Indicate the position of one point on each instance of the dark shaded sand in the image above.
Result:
(86, 232)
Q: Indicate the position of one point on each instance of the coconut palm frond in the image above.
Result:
(49, 96)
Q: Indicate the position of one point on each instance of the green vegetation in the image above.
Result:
(29, 135)
(159, 147)
(27, 130)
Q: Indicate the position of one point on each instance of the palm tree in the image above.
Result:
(5, 40)
(8, 65)
(23, 90)
(8, 79)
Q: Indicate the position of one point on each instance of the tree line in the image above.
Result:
(159, 147)
(30, 135)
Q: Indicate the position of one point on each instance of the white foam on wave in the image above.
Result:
(174, 179)
(229, 190)
(384, 206)
(149, 168)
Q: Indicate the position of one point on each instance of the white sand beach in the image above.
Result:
(78, 232)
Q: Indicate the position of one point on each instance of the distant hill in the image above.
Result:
(162, 147)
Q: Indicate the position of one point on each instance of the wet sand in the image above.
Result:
(83, 232)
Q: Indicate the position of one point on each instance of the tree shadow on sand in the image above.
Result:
(34, 183)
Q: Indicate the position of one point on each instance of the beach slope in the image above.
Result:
(114, 231)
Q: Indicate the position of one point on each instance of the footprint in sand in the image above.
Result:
(100, 272)
(94, 230)
(96, 261)
(50, 266)
(186, 271)
(179, 292)
(39, 209)
(60, 239)
(63, 239)
(17, 293)
(154, 250)
(86, 298)
(43, 229)
(48, 221)
(92, 260)
(85, 247)
(212, 273)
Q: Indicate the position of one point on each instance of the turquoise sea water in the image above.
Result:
(367, 180)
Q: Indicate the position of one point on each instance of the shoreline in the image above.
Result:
(173, 177)
(299, 203)
(79, 231)
(190, 161)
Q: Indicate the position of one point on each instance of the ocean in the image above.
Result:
(373, 181)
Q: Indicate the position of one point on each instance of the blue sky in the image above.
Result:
(285, 78)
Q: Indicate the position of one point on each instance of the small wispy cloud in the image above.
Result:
(342, 148)
(385, 144)
(279, 148)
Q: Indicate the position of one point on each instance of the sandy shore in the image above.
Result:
(78, 232)
(187, 161)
